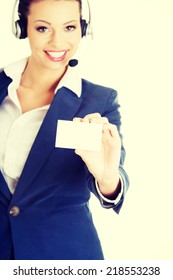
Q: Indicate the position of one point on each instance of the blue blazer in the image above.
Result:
(50, 218)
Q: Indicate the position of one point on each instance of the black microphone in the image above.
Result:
(73, 62)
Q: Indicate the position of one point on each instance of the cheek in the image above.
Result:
(35, 43)
(75, 41)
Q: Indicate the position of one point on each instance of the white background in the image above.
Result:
(132, 52)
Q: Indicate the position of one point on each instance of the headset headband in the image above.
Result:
(19, 25)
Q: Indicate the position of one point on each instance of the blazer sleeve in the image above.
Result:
(111, 111)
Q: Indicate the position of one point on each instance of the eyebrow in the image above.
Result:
(44, 21)
(74, 20)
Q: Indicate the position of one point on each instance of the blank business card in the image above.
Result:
(78, 135)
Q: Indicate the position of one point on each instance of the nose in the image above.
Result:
(56, 39)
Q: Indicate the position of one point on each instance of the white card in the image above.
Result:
(79, 135)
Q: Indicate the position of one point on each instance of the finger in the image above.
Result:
(77, 119)
(81, 153)
(111, 135)
(102, 120)
(92, 116)
(111, 128)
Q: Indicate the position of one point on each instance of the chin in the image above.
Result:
(56, 66)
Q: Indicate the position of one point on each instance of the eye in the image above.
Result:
(70, 27)
(42, 29)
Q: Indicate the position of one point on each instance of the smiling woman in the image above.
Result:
(44, 191)
(54, 36)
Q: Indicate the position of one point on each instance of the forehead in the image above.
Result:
(50, 1)
(54, 8)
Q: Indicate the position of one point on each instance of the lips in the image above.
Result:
(56, 56)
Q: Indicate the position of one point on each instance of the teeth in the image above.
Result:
(56, 54)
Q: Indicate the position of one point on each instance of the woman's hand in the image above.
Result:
(103, 164)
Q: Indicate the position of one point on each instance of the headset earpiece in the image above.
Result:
(84, 26)
(20, 29)
(19, 25)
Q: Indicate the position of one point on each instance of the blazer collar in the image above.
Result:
(4, 82)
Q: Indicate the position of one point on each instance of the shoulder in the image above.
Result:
(87, 85)
(98, 93)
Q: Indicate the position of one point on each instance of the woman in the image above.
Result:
(44, 191)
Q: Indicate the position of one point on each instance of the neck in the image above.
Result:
(36, 76)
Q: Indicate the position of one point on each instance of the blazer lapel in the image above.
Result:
(64, 106)
(5, 194)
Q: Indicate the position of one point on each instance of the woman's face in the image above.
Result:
(54, 32)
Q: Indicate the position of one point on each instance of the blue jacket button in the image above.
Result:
(14, 211)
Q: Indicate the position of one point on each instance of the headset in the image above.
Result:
(19, 26)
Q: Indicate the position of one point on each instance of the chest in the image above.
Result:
(30, 99)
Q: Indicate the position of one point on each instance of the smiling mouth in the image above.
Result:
(56, 56)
